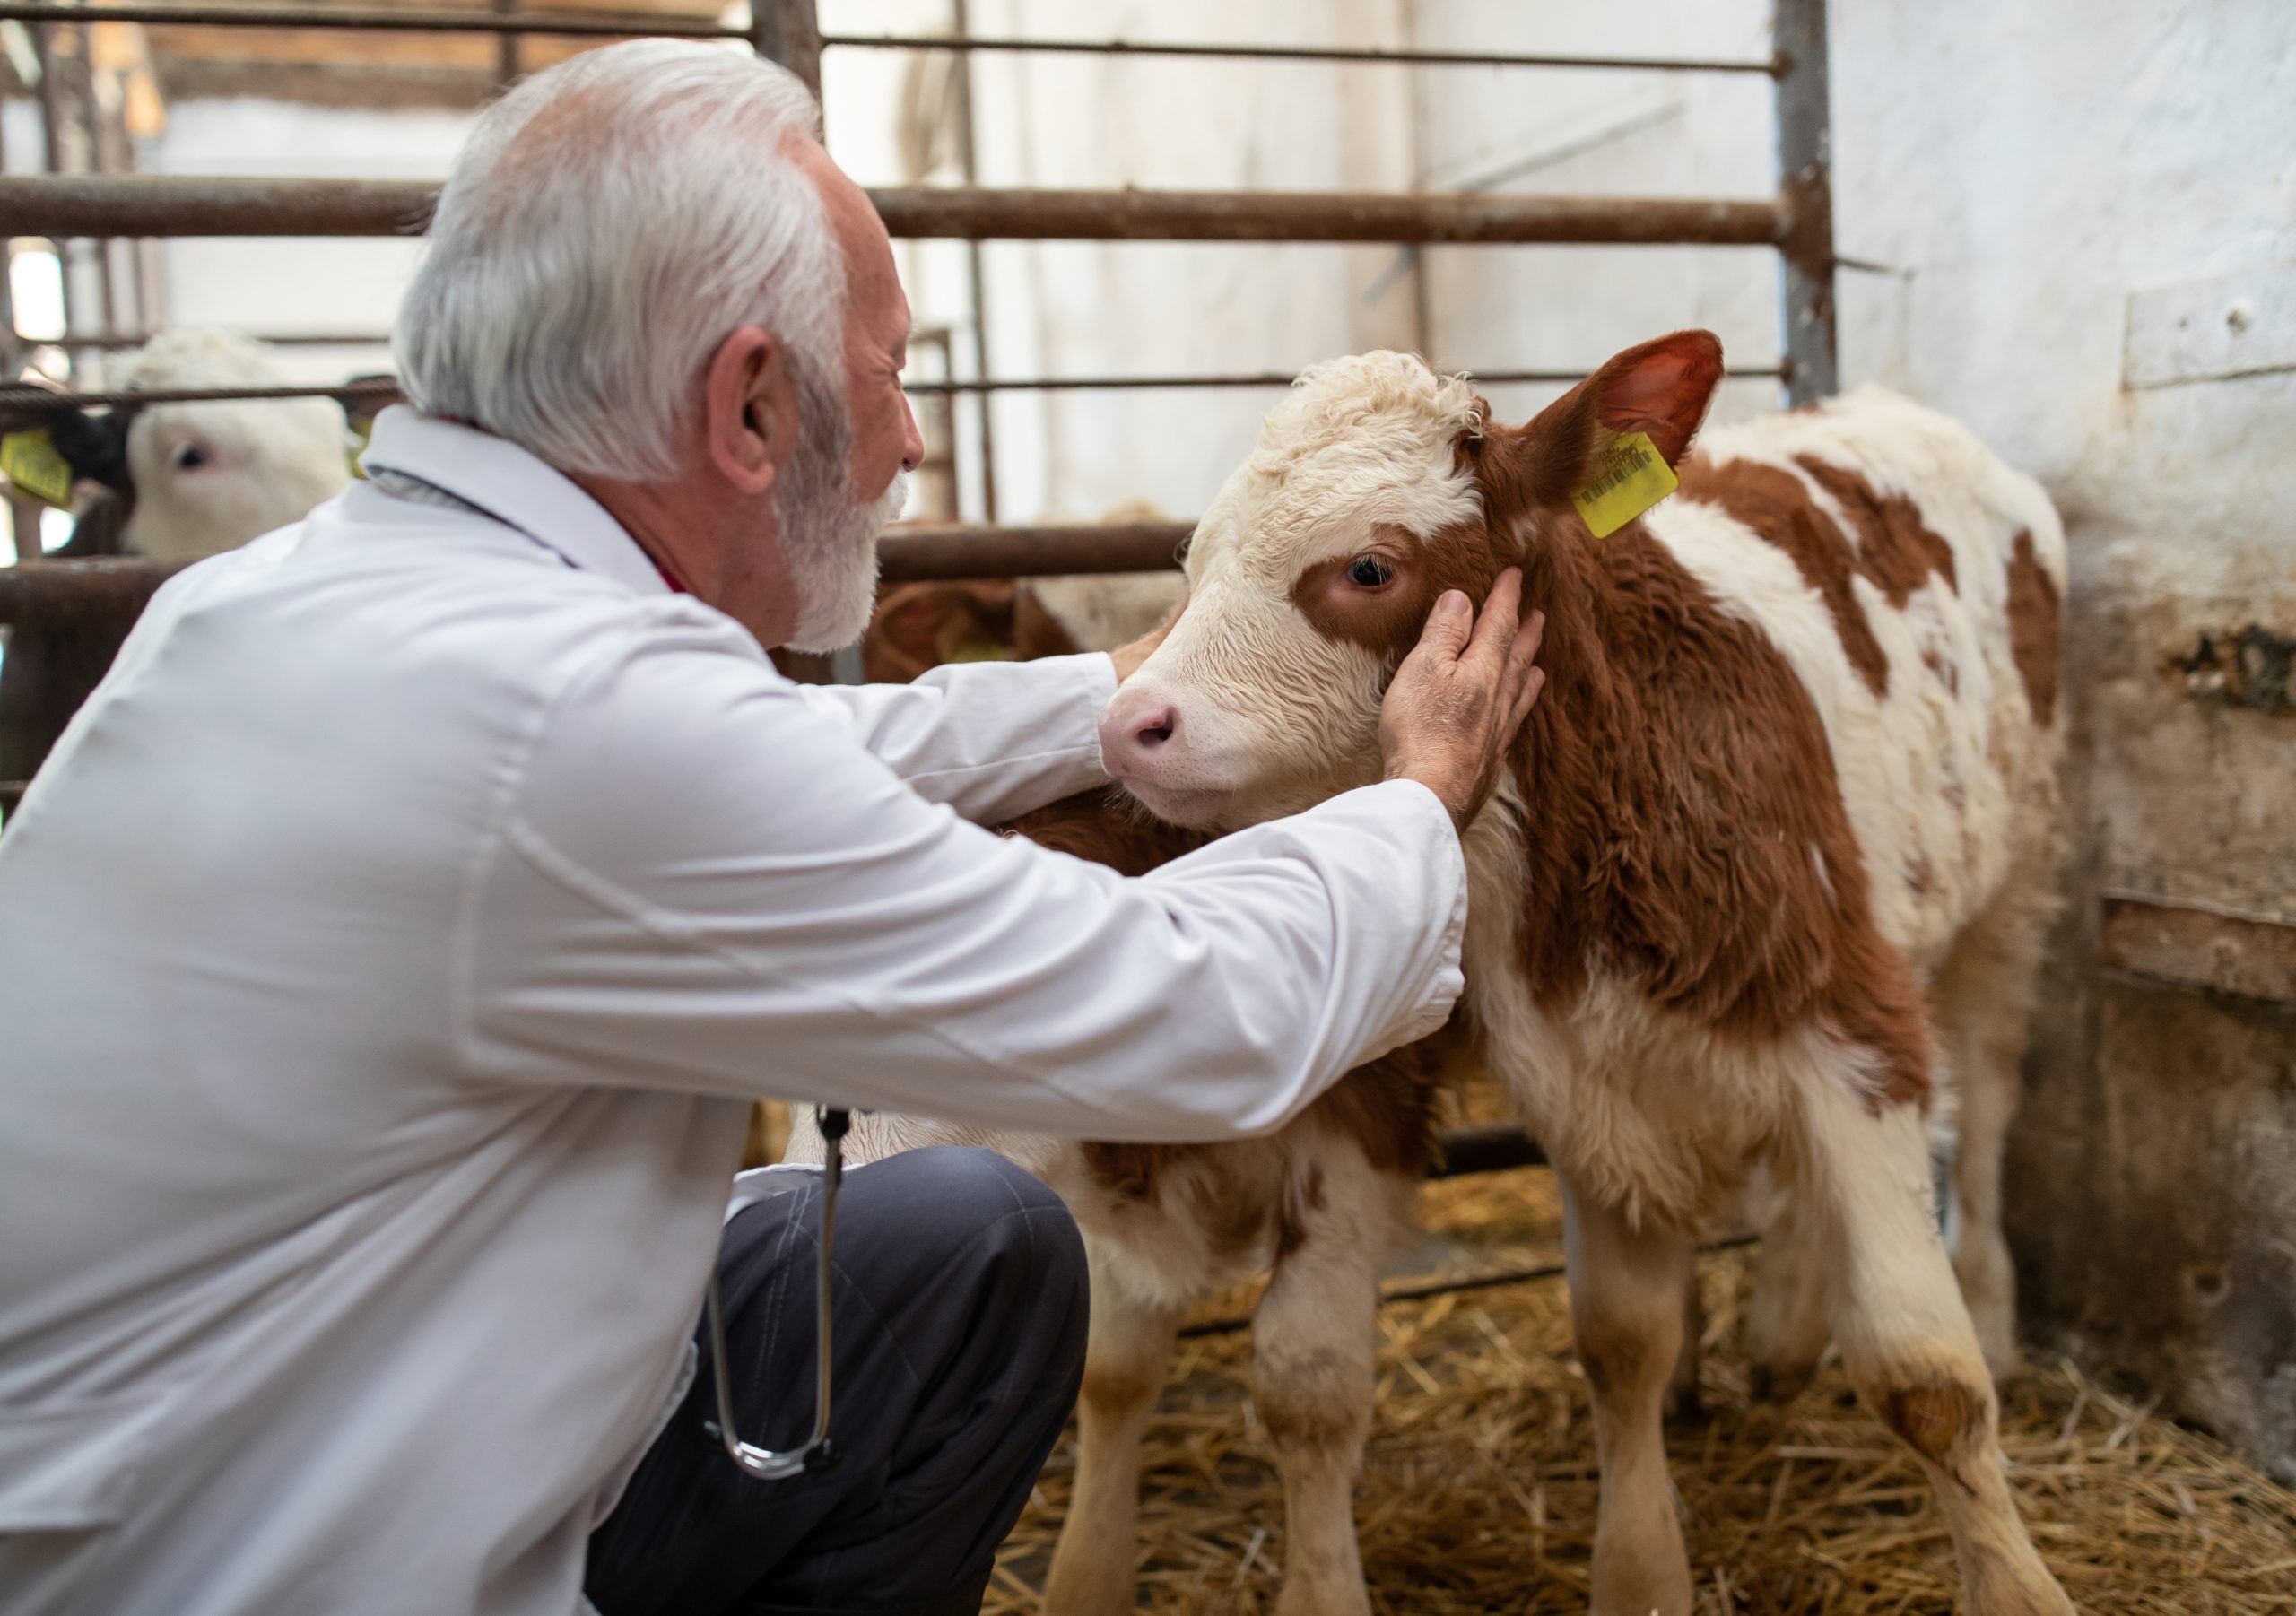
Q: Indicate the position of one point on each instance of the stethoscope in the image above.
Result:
(816, 1454)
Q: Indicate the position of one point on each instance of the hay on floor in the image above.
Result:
(1478, 1489)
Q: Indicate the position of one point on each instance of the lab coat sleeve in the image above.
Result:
(993, 740)
(702, 884)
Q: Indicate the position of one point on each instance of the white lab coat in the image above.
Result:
(388, 957)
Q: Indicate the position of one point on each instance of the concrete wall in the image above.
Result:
(2080, 232)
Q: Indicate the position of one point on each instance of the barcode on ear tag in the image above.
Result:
(34, 468)
(1628, 481)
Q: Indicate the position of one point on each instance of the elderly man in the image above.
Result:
(390, 954)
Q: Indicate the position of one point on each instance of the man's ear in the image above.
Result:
(749, 410)
(1660, 388)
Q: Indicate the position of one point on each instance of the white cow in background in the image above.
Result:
(177, 481)
(208, 477)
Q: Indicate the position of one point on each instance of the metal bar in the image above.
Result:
(99, 158)
(1428, 1290)
(168, 206)
(633, 25)
(52, 591)
(562, 22)
(976, 281)
(19, 402)
(507, 65)
(22, 403)
(51, 136)
(1264, 379)
(1363, 55)
(1805, 192)
(112, 340)
(789, 32)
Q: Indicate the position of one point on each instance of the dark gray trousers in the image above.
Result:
(960, 1320)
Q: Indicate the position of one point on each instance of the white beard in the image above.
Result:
(832, 554)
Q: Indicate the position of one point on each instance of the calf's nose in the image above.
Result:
(1134, 731)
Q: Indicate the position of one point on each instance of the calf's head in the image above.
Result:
(1377, 485)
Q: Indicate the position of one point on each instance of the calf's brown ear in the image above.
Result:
(921, 626)
(1660, 388)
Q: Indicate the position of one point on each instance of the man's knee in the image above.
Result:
(975, 1211)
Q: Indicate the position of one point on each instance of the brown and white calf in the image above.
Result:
(1315, 1206)
(1791, 783)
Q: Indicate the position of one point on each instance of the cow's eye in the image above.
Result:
(1369, 572)
(191, 457)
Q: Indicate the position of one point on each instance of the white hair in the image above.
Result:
(609, 223)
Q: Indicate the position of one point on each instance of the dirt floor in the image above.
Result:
(1478, 1489)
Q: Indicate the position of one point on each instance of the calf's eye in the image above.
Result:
(1368, 572)
(191, 457)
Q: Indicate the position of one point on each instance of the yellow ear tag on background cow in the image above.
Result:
(35, 468)
(362, 433)
(1629, 479)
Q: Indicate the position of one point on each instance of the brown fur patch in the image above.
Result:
(1615, 1360)
(921, 626)
(1678, 782)
(1777, 505)
(1943, 671)
(2034, 628)
(1896, 550)
(1320, 1400)
(1387, 1107)
(1943, 1421)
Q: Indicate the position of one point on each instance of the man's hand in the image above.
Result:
(1455, 704)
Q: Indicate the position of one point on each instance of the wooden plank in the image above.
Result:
(2194, 945)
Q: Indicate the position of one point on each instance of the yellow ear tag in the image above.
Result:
(1629, 479)
(34, 468)
(362, 433)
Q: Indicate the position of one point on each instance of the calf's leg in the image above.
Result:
(1626, 1305)
(1985, 998)
(1786, 1307)
(1906, 1341)
(1128, 1347)
(1312, 1380)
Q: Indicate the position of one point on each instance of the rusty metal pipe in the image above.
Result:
(29, 403)
(60, 591)
(415, 21)
(168, 206)
(22, 403)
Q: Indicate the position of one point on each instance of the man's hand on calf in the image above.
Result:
(1458, 701)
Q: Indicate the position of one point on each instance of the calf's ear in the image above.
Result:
(1660, 388)
(921, 626)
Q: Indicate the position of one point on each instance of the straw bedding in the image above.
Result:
(1478, 1487)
